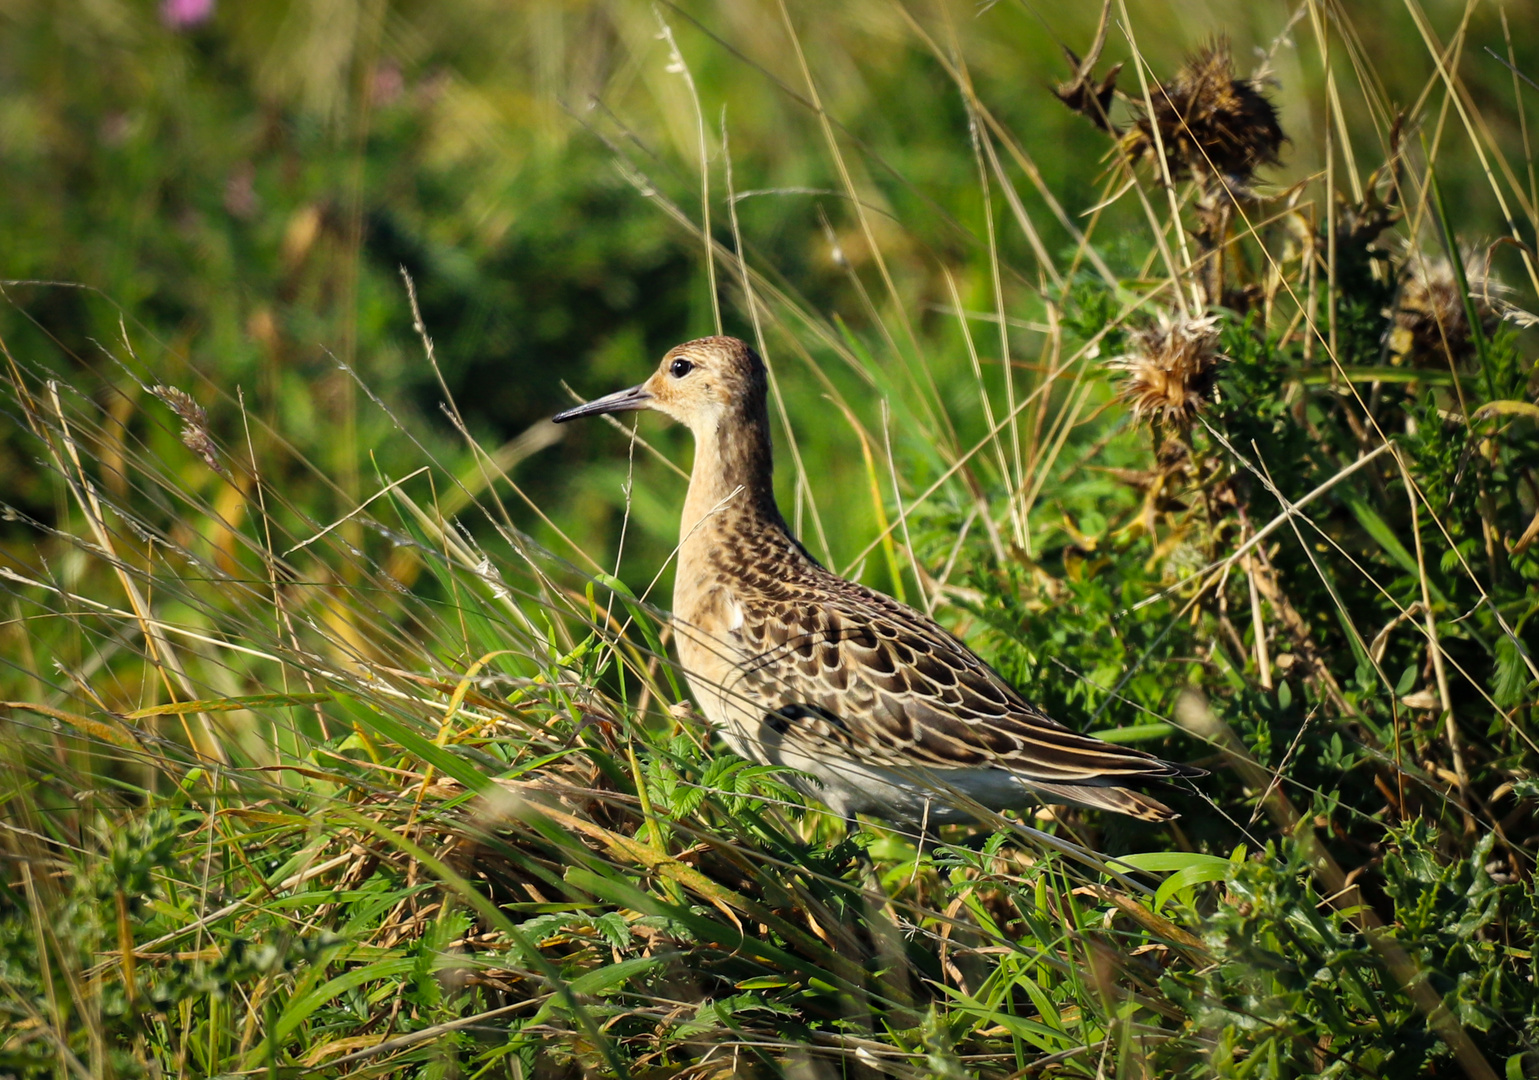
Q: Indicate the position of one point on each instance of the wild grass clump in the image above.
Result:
(387, 772)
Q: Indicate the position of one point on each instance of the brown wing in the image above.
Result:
(869, 678)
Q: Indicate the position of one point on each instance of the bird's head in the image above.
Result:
(699, 384)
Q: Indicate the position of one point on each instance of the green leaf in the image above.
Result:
(1187, 869)
(234, 704)
(1037, 1034)
(1527, 788)
(1511, 673)
(1373, 373)
(764, 982)
(419, 746)
(1376, 527)
(615, 930)
(1135, 733)
(300, 1008)
(611, 977)
(1507, 408)
(1189, 878)
(1162, 862)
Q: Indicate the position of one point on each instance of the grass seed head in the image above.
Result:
(1211, 125)
(194, 419)
(1168, 374)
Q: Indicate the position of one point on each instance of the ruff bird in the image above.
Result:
(879, 709)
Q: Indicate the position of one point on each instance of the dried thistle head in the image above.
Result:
(1167, 376)
(1210, 124)
(1429, 324)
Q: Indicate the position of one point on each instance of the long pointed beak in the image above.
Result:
(620, 401)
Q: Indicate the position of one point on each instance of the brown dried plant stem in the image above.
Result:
(1445, 699)
(1258, 624)
(1265, 580)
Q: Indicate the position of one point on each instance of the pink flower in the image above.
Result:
(184, 14)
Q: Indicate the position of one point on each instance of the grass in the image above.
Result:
(356, 756)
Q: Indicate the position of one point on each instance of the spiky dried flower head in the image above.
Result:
(1211, 125)
(1429, 323)
(1167, 375)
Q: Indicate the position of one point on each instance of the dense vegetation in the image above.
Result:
(340, 731)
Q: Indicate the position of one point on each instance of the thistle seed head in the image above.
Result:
(1167, 376)
(1211, 125)
(1429, 323)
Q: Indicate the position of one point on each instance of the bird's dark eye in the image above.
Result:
(680, 368)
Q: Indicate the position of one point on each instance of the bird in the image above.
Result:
(877, 708)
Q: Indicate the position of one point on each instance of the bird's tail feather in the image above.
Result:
(1116, 799)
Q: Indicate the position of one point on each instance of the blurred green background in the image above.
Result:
(237, 185)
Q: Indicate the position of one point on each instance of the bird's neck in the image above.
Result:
(731, 487)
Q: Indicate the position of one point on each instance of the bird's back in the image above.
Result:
(795, 663)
